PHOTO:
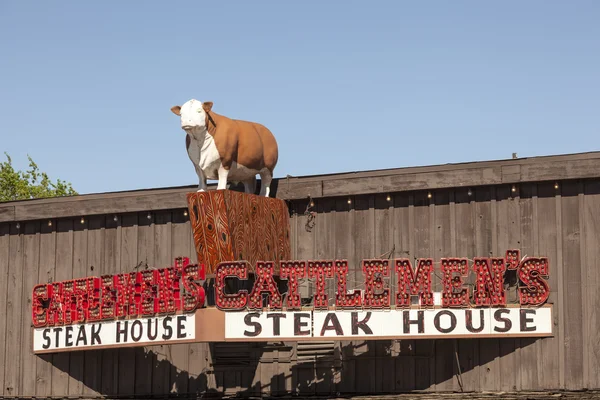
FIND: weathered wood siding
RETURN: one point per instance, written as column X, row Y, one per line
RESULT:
column 562, row 223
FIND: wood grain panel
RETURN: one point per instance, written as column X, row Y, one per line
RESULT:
column 528, row 351
column 403, row 232
column 488, row 348
column 4, row 274
column 111, row 265
column 77, row 362
column 145, row 258
column 572, row 270
column 14, row 343
column 343, row 239
column 92, row 375
column 63, row 272
column 180, row 244
column 444, row 366
column 46, row 272
column 464, row 217
column 31, row 254
column 163, row 257
column 548, row 357
column 591, row 235
column 420, row 229
column 128, row 263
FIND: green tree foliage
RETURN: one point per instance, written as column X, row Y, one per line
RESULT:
column 30, row 184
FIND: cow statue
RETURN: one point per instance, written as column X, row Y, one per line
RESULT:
column 227, row 149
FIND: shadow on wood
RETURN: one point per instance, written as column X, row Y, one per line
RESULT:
column 238, row 369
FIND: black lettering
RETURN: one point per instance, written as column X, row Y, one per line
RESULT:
column 45, row 335
column 276, row 322
column 57, row 331
column 68, row 336
column 438, row 326
column 332, row 323
column 507, row 322
column 419, row 321
column 356, row 324
column 525, row 320
column 152, row 336
column 469, row 318
column 181, row 320
column 167, row 328
column 81, row 336
column 256, row 325
column 138, row 323
column 96, row 334
column 122, row 331
column 298, row 324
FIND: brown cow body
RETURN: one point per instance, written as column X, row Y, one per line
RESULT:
column 227, row 149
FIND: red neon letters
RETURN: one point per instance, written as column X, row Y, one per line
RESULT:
column 130, row 294
column 179, row 288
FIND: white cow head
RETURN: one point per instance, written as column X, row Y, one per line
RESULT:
column 193, row 115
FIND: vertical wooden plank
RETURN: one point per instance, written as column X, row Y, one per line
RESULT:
column 591, row 231
column 144, row 359
column 304, row 373
column 507, row 237
column 404, row 241
column 162, row 257
column 585, row 345
column 180, row 243
column 424, row 349
column 468, row 349
column 92, row 375
column 444, row 360
column 111, row 266
column 31, row 249
column 364, row 242
column 324, row 243
column 573, row 322
column 528, row 353
column 384, row 241
column 13, row 312
column 325, row 249
column 561, row 288
column 4, row 273
column 63, row 272
column 128, row 263
column 342, row 237
column 488, row 348
column 548, row 376
column 77, row 365
column 46, row 270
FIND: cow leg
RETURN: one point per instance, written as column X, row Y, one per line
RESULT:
column 250, row 185
column 223, row 173
column 201, row 179
column 265, row 182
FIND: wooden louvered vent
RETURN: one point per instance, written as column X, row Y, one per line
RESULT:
column 232, row 354
column 317, row 351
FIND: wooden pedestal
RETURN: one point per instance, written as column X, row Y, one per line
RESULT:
column 235, row 226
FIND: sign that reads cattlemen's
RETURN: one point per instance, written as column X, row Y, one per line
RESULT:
column 374, row 313
column 396, row 300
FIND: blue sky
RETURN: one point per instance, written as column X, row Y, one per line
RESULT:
column 86, row 87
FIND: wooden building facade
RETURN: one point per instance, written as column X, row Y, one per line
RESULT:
column 545, row 206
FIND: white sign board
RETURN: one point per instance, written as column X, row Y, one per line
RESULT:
column 430, row 323
column 120, row 333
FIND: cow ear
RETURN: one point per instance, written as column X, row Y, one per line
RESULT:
column 207, row 105
column 176, row 110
